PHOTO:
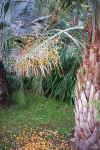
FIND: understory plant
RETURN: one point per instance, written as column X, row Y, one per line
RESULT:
column 60, row 84
column 47, row 63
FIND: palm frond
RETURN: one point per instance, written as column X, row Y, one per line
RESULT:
column 39, row 55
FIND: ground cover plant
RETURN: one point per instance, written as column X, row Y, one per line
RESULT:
column 40, row 124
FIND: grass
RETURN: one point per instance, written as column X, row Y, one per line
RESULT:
column 39, row 114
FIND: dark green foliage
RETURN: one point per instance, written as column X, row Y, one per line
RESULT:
column 61, row 84
column 12, row 78
column 34, row 84
column 13, row 82
column 28, row 83
column 3, row 85
column 62, row 24
column 19, row 99
column 6, row 6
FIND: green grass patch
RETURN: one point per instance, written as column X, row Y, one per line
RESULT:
column 40, row 112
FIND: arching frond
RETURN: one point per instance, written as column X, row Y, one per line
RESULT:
column 40, row 54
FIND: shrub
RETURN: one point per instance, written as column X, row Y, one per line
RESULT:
column 60, row 85
column 19, row 98
column 34, row 84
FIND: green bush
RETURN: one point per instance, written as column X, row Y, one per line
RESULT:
column 13, row 82
column 61, row 85
column 34, row 84
column 19, row 98
column 23, row 100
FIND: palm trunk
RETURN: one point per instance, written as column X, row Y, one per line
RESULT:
column 87, row 91
column 87, row 129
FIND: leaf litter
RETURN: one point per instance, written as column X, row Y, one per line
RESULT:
column 35, row 139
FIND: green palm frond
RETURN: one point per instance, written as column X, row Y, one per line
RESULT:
column 40, row 55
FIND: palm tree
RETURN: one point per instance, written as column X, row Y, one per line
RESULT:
column 87, row 125
column 8, row 23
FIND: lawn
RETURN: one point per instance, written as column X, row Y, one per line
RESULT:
column 40, row 123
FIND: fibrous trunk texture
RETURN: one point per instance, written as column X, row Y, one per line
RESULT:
column 87, row 130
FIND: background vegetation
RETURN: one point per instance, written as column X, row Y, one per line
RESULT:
column 41, row 72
